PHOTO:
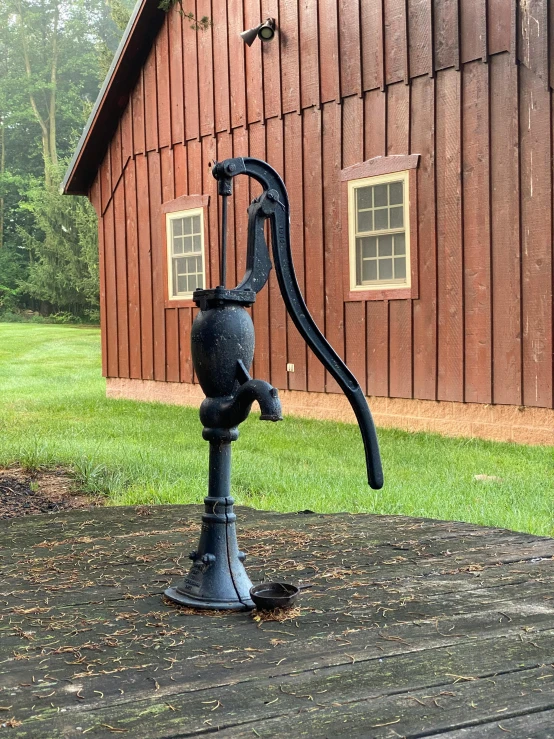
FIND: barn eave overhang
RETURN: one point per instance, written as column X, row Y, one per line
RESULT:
column 142, row 29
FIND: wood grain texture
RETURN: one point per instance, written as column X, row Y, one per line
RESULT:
column 290, row 58
column 500, row 18
column 190, row 78
column 449, row 239
column 137, row 104
column 253, row 65
column 502, row 628
column 473, row 29
column 145, row 269
column 332, row 156
column 350, row 47
column 185, row 357
column 446, row 34
column 222, row 97
column 425, row 308
column 115, row 158
column 205, row 71
column 532, row 37
column 296, row 346
column 112, row 344
column 477, row 233
column 96, row 200
column 150, row 103
column 420, row 34
column 505, row 224
column 175, row 72
column 536, row 238
column 309, row 53
column 373, row 44
column 400, row 311
column 377, row 311
column 133, row 272
column 271, row 62
column 127, row 135
column 277, row 314
column 237, row 82
column 329, row 50
column 396, row 51
column 354, row 312
column 313, row 235
column 163, row 87
column 481, row 328
column 158, row 256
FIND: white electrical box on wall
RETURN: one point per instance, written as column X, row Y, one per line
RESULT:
column 290, row 367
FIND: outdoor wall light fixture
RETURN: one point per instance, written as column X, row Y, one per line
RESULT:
column 265, row 31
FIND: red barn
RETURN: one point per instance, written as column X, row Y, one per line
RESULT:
column 415, row 139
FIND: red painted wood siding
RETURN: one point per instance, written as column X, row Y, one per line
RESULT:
column 410, row 77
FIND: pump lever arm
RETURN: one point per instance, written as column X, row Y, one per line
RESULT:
column 276, row 192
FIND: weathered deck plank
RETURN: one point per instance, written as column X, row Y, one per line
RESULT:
column 413, row 627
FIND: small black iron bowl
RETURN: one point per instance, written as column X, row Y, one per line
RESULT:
column 270, row 595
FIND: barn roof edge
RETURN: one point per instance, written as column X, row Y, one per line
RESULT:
column 138, row 38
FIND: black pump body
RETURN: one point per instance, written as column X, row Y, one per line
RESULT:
column 222, row 347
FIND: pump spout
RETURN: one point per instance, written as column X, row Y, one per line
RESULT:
column 230, row 411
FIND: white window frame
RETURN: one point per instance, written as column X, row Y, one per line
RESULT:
column 173, row 216
column 353, row 185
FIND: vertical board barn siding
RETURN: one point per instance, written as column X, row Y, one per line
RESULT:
column 409, row 77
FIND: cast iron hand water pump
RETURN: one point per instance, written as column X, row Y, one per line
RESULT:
column 222, row 346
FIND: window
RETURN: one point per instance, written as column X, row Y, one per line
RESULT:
column 379, row 240
column 380, row 228
column 185, row 248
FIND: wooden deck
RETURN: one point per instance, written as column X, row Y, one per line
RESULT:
column 413, row 628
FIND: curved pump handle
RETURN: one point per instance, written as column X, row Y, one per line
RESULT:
column 294, row 302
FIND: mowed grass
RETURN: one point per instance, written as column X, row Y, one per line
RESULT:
column 53, row 411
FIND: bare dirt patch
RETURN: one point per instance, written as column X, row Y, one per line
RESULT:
column 26, row 493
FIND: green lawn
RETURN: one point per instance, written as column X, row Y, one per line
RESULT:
column 53, row 412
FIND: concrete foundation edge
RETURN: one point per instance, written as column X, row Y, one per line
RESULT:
column 524, row 425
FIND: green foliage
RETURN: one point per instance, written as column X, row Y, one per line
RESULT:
column 53, row 411
column 53, row 56
column 12, row 269
column 197, row 24
column 63, row 268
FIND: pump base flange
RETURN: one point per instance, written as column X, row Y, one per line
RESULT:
column 182, row 599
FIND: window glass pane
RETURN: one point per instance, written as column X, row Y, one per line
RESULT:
column 181, row 284
column 191, row 280
column 385, row 269
column 397, row 217
column 178, row 245
column 180, row 266
column 400, row 268
column 364, row 197
column 196, row 224
column 200, row 281
column 366, row 247
column 187, row 242
column 197, row 243
column 396, row 193
column 385, row 246
column 187, row 225
column 177, row 226
column 381, row 219
column 369, row 270
column 380, row 195
column 365, row 221
column 399, row 244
